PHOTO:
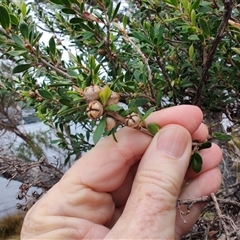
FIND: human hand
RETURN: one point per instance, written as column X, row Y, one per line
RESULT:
column 129, row 189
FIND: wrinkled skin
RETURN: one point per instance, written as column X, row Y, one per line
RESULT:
column 128, row 189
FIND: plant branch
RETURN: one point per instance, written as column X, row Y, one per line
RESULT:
column 208, row 56
column 144, row 59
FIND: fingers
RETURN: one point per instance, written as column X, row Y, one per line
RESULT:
column 203, row 184
column 187, row 116
column 112, row 160
column 156, row 187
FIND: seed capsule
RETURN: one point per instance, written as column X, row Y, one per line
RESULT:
column 92, row 92
column 132, row 120
column 94, row 109
column 32, row 94
column 113, row 99
column 110, row 123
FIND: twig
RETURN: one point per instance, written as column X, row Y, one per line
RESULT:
column 220, row 215
column 208, row 57
column 144, row 58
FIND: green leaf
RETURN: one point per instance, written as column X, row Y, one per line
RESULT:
column 45, row 94
column 193, row 37
column 195, row 4
column 65, row 102
column 222, row 136
column 205, row 145
column 138, row 102
column 141, row 37
column 105, row 94
column 153, row 128
column 17, row 40
column 204, row 26
column 52, row 46
column 68, row 11
column 148, row 112
column 110, row 9
column 191, row 52
column 21, row 68
column 159, row 98
column 196, row 162
column 23, row 9
column 23, row 27
column 17, row 53
column 99, row 130
column 193, row 17
column 5, row 19
column 113, row 107
column 116, row 10
column 14, row 19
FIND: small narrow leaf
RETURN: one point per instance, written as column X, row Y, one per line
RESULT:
column 17, row 40
column 204, row 26
column 195, row 4
column 23, row 9
column 45, row 94
column 5, row 20
column 24, row 29
column 52, row 46
column 99, row 130
column 148, row 112
column 193, row 17
column 153, row 128
column 65, row 102
column 191, row 52
column 113, row 107
column 205, row 145
column 105, row 94
column 222, row 136
column 116, row 10
column 196, row 162
column 21, row 68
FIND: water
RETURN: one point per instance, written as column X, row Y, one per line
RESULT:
column 8, row 193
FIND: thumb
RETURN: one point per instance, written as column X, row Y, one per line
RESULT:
column 150, row 212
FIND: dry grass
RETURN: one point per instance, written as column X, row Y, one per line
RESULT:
column 10, row 226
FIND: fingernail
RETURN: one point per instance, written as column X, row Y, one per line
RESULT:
column 173, row 141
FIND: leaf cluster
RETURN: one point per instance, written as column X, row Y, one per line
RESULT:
column 154, row 54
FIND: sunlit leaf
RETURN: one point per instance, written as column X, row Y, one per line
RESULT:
column 98, row 133
column 153, row 128
column 105, row 94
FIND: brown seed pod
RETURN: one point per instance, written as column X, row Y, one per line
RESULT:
column 94, row 109
column 132, row 120
column 113, row 99
column 32, row 94
column 92, row 92
column 110, row 123
column 39, row 99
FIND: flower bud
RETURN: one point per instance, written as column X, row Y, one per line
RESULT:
column 94, row 109
column 132, row 120
column 110, row 123
column 92, row 92
column 113, row 99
